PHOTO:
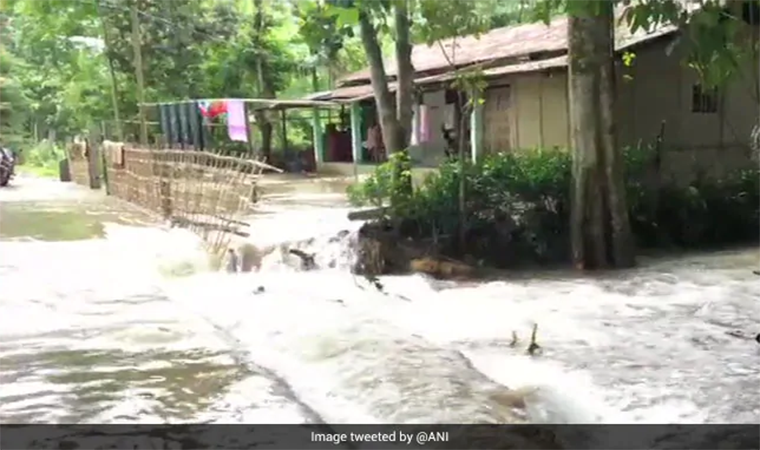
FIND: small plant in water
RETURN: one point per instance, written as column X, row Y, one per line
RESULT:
column 515, row 340
column 534, row 349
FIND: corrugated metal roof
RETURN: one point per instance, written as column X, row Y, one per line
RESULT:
column 351, row 93
column 502, row 43
column 525, row 67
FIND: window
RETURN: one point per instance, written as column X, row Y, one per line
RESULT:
column 704, row 100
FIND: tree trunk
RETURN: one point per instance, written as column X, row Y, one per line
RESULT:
column 599, row 224
column 112, row 71
column 461, row 142
column 266, row 90
column 388, row 123
column 405, row 71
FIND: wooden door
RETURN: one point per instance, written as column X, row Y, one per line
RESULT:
column 496, row 132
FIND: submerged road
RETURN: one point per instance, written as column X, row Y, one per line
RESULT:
column 107, row 316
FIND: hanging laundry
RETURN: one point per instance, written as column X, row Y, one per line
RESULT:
column 166, row 125
column 176, row 125
column 237, row 125
column 203, row 107
column 195, row 124
column 183, row 125
column 212, row 109
column 171, row 119
column 424, row 124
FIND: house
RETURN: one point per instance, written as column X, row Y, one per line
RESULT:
column 526, row 99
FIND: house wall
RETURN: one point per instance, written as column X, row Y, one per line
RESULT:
column 537, row 112
column 431, row 151
column 656, row 94
column 361, row 171
column 656, row 89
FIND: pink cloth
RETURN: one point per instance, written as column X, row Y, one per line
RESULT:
column 237, row 127
column 424, row 124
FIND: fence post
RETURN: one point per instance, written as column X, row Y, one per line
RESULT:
column 93, row 161
column 103, row 159
column 162, row 168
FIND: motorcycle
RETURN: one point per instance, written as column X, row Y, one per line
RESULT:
column 7, row 165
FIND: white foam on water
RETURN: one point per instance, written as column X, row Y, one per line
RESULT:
column 647, row 345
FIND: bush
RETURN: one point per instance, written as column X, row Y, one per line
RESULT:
column 517, row 206
column 42, row 159
column 375, row 190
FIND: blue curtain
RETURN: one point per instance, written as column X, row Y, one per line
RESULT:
column 174, row 126
column 184, row 129
column 165, row 113
column 195, row 125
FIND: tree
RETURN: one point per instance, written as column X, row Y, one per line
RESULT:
column 405, row 94
column 600, row 229
column 325, row 38
column 263, row 77
column 389, row 123
column 449, row 20
column 12, row 101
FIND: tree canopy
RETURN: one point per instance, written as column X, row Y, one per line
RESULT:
column 57, row 58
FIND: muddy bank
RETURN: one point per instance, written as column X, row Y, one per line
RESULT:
column 383, row 249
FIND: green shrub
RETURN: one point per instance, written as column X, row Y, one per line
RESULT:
column 379, row 187
column 517, row 206
column 42, row 159
column 43, row 154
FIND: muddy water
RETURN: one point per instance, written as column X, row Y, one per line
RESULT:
column 100, row 328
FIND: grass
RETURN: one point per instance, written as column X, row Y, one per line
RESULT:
column 43, row 171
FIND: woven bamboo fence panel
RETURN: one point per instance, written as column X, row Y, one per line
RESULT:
column 205, row 192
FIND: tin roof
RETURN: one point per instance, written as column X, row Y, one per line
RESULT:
column 502, row 43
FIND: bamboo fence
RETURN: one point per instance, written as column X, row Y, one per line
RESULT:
column 205, row 192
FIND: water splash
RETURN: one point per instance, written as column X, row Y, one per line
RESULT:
column 647, row 345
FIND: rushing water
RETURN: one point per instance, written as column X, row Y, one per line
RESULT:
column 96, row 325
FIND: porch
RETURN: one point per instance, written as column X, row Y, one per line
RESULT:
column 435, row 128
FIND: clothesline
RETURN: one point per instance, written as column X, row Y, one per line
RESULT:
column 263, row 101
column 183, row 122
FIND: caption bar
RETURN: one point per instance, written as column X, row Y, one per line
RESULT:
column 381, row 437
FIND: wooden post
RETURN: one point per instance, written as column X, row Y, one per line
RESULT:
column 319, row 145
column 356, row 136
column 93, row 160
column 415, row 135
column 476, row 132
column 103, row 159
column 137, row 50
column 284, row 127
column 249, row 130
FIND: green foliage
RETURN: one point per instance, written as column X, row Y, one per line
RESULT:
column 191, row 49
column 518, row 206
column 375, row 190
column 42, row 159
column 387, row 185
column 55, row 73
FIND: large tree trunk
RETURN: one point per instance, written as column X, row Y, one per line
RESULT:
column 392, row 133
column 405, row 71
column 600, row 229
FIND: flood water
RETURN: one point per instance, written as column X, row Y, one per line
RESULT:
column 98, row 324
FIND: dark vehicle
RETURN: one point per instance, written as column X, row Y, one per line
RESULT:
column 7, row 165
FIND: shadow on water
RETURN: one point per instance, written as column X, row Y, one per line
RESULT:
column 41, row 222
column 166, row 384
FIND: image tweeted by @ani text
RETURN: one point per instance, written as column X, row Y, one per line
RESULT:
column 394, row 436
